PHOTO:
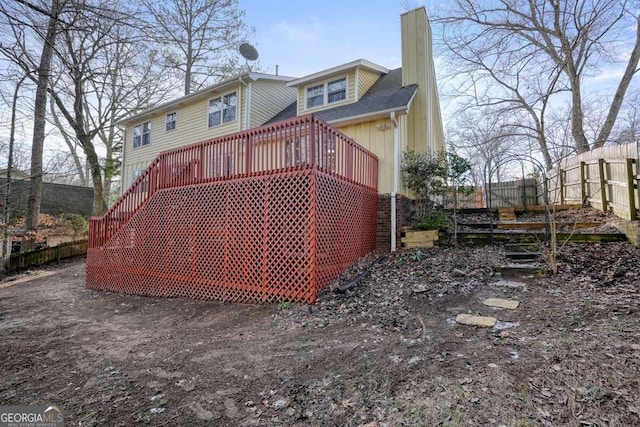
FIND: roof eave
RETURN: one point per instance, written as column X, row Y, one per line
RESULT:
column 344, row 121
column 360, row 63
column 171, row 105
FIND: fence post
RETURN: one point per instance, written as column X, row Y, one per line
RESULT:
column 631, row 190
column 603, row 183
column 561, row 178
column 583, row 183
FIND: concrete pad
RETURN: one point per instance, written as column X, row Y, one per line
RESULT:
column 502, row 303
column 473, row 320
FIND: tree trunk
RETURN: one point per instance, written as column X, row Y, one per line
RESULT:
column 39, row 121
column 99, row 198
column 577, row 118
column 70, row 144
column 629, row 72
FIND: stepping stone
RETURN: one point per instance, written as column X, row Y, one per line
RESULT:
column 509, row 284
column 473, row 320
column 502, row 303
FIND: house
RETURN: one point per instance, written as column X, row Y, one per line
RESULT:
column 265, row 187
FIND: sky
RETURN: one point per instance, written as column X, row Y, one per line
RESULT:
column 303, row 37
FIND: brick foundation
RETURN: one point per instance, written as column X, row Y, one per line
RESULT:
column 405, row 210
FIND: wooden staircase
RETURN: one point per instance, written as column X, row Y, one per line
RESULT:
column 523, row 240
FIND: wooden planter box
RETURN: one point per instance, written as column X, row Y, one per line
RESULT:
column 418, row 238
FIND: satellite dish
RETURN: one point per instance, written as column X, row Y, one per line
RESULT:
column 248, row 52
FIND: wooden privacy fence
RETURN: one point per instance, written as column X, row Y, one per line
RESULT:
column 269, row 214
column 606, row 178
column 513, row 193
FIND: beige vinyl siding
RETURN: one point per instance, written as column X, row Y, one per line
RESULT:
column 268, row 98
column 351, row 93
column 379, row 142
column 366, row 79
column 425, row 123
column 191, row 127
column 127, row 178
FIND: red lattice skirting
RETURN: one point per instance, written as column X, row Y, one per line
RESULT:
column 276, row 237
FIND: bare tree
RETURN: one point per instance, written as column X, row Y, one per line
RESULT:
column 103, row 72
column 104, row 76
column 197, row 37
column 42, row 73
column 70, row 142
column 535, row 49
column 487, row 137
column 629, row 126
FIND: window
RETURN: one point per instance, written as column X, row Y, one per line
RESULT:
column 337, row 90
column 315, row 96
column 222, row 110
column 142, row 134
column 170, row 121
column 327, row 93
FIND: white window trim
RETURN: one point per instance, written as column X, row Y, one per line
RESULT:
column 221, row 97
column 176, row 122
column 325, row 101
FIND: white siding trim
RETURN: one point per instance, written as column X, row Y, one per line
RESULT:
column 247, row 107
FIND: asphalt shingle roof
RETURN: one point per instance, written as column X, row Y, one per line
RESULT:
column 386, row 93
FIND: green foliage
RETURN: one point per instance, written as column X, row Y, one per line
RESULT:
column 459, row 177
column 459, row 169
column 414, row 256
column 432, row 177
column 425, row 174
column 78, row 223
column 285, row 305
column 434, row 220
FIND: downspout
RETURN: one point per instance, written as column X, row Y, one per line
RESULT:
column 396, row 167
column 247, row 107
column 239, row 100
column 122, row 161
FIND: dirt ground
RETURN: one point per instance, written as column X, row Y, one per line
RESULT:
column 386, row 353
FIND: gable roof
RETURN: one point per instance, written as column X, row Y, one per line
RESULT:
column 359, row 63
column 387, row 94
column 203, row 93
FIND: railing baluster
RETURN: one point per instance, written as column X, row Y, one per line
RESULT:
column 300, row 142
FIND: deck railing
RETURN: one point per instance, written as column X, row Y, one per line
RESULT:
column 299, row 143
